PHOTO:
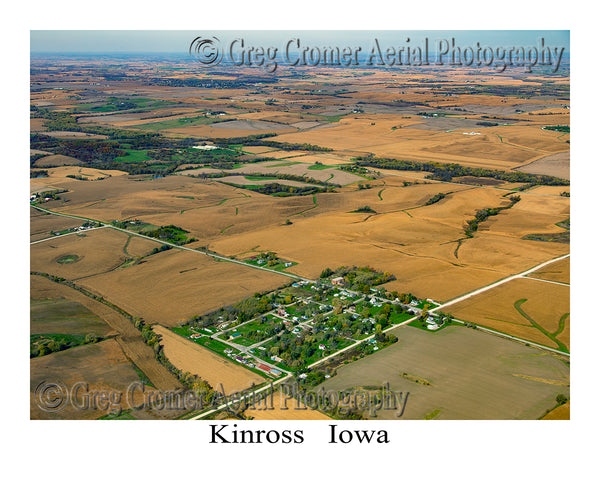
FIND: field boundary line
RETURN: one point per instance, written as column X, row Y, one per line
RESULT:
column 549, row 281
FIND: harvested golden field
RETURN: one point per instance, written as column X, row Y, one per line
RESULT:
column 217, row 371
column 208, row 209
column 326, row 174
column 527, row 308
column 294, row 410
column 76, row 135
column 80, row 255
column 532, row 137
column 130, row 196
column 558, row 271
column 37, row 125
column 56, row 161
column 257, row 150
column 242, row 180
column 554, row 205
column 325, row 158
column 172, row 286
column 417, row 243
column 505, row 254
column 374, row 134
column 51, row 96
column 135, row 119
column 557, row 165
column 550, row 190
column 517, row 222
column 61, row 173
column 281, row 154
column 216, row 131
column 472, row 376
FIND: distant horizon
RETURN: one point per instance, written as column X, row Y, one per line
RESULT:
column 98, row 42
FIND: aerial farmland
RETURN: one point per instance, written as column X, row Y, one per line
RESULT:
column 227, row 232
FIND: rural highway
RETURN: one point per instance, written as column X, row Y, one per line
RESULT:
column 65, row 234
column 498, row 283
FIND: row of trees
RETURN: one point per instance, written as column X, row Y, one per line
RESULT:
column 280, row 190
column 448, row 171
column 482, row 215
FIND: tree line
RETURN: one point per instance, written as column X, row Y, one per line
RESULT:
column 448, row 171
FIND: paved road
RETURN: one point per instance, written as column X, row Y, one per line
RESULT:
column 65, row 234
column 498, row 283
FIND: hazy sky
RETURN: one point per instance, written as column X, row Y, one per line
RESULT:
column 159, row 41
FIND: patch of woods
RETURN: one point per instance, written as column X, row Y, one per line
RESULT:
column 168, row 233
column 44, row 344
column 436, row 198
column 38, row 173
column 365, row 209
column 279, row 190
column 448, row 171
column 258, row 141
column 482, row 215
column 270, row 176
column 559, row 128
column 361, row 279
column 171, row 234
column 561, row 237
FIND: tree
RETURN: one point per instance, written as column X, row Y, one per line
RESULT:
column 326, row 273
column 561, row 399
column 91, row 338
